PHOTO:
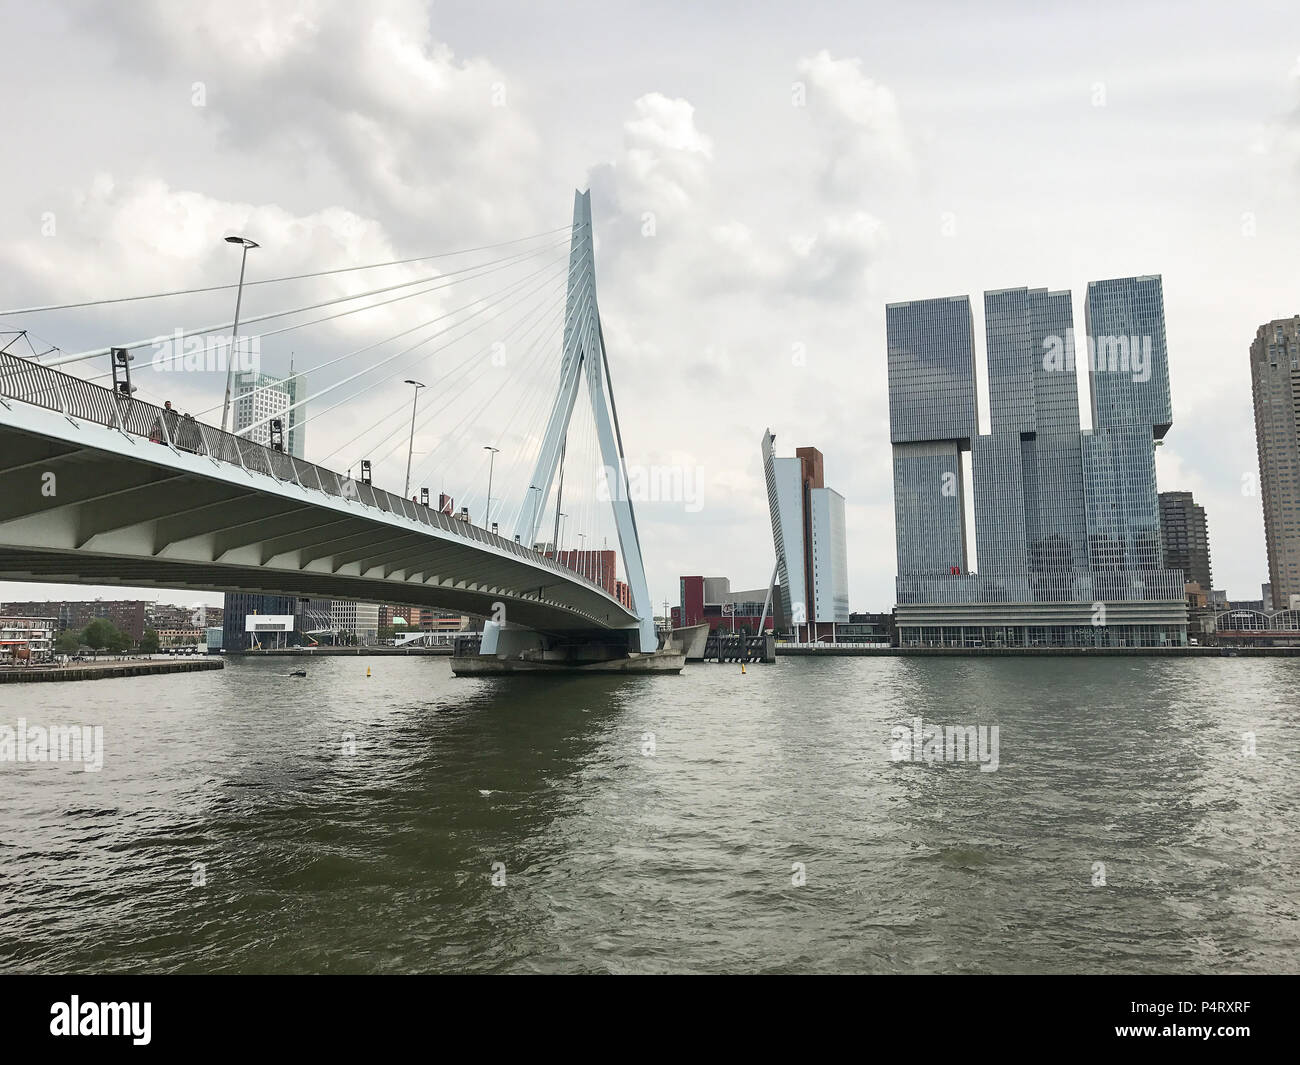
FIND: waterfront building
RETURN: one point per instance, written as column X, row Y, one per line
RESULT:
column 313, row 617
column 356, row 619
column 710, row 600
column 239, row 606
column 808, row 534
column 1066, row 523
column 1275, row 388
column 182, row 637
column 1185, row 538
column 131, row 616
column 33, row 635
column 1246, row 626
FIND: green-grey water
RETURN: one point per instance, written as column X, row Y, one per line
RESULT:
column 709, row 822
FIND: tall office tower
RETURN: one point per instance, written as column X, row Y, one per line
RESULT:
column 932, row 420
column 1047, row 561
column 1030, row 529
column 809, row 537
column 1275, row 385
column 1186, row 538
column 1131, row 409
column 260, row 396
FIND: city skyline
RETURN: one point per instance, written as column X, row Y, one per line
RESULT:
column 650, row 488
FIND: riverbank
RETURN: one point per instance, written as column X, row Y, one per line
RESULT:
column 326, row 652
column 106, row 670
column 868, row 650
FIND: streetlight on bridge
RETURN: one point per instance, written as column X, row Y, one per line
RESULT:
column 492, row 458
column 234, row 336
column 411, row 447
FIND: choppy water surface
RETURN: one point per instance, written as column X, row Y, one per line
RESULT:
column 317, row 859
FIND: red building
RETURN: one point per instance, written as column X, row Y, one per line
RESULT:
column 599, row 567
column 710, row 600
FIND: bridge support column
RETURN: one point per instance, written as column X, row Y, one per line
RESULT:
column 507, row 648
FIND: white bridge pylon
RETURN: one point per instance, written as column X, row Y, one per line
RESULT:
column 584, row 353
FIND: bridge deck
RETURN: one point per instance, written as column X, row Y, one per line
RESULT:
column 99, row 489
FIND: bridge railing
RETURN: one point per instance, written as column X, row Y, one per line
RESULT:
column 28, row 381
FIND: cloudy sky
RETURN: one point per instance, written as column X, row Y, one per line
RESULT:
column 765, row 178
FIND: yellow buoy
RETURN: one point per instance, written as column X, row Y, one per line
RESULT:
column 367, row 671
column 742, row 667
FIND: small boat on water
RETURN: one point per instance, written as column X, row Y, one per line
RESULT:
column 298, row 673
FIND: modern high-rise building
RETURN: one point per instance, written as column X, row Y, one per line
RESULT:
column 811, row 547
column 1275, row 386
column 1186, row 538
column 260, row 396
column 1067, row 523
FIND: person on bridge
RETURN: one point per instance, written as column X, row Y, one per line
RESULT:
column 187, row 438
column 156, row 434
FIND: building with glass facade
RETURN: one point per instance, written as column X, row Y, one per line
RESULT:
column 1185, row 536
column 260, row 396
column 808, row 532
column 1067, row 523
column 238, row 607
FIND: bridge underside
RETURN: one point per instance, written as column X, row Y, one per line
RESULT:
column 84, row 504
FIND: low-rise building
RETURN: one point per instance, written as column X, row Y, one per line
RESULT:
column 26, row 639
column 710, row 600
column 182, row 637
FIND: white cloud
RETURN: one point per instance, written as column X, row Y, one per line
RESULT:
column 865, row 137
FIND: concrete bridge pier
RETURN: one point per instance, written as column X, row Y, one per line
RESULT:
column 507, row 648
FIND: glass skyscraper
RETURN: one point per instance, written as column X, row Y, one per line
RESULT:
column 932, row 419
column 1067, row 525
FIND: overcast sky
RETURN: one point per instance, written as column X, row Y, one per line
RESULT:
column 804, row 165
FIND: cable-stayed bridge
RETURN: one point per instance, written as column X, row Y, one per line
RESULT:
column 101, row 485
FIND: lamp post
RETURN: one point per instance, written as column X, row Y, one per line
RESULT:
column 411, row 447
column 234, row 336
column 492, row 458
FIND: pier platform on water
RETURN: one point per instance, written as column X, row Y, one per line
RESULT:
column 491, row 666
column 562, row 660
column 738, row 647
column 106, row 670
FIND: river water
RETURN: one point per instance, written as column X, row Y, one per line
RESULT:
column 248, row 821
